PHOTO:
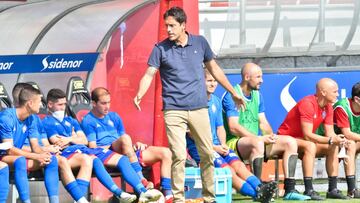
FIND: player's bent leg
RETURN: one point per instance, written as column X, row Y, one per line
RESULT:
column 332, row 168
column 68, row 180
column 84, row 164
column 107, row 181
column 4, row 186
column 252, row 149
column 123, row 145
column 353, row 192
column 154, row 154
column 20, row 175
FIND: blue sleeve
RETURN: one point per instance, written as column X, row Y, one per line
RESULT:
column 49, row 128
column 89, row 129
column 6, row 127
column 32, row 126
column 229, row 106
column 208, row 53
column 41, row 130
column 261, row 104
column 76, row 125
column 119, row 125
column 155, row 57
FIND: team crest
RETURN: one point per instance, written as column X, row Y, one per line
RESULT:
column 213, row 108
column 24, row 128
column 67, row 124
column 323, row 114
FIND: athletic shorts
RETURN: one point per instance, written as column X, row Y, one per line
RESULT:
column 101, row 153
column 139, row 157
column 222, row 161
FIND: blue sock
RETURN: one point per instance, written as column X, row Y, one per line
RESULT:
column 21, row 179
column 253, row 181
column 138, row 169
column 247, row 190
column 4, row 186
column 74, row 190
column 129, row 174
column 83, row 185
column 166, row 186
column 51, row 176
column 104, row 177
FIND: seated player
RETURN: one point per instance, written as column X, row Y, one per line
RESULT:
column 65, row 132
column 105, row 129
column 302, row 121
column 243, row 131
column 15, row 125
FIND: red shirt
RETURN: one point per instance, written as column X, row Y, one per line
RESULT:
column 341, row 118
column 306, row 110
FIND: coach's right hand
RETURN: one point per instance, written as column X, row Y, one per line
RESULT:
column 137, row 101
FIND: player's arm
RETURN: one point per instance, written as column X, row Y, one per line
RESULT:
column 222, row 149
column 264, row 125
column 237, row 129
column 43, row 158
column 350, row 135
column 144, row 85
column 35, row 147
column 92, row 144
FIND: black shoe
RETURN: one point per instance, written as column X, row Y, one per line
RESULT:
column 336, row 194
column 314, row 195
column 355, row 193
column 265, row 192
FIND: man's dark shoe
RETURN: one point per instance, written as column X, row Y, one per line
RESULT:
column 355, row 193
column 314, row 195
column 265, row 192
column 336, row 194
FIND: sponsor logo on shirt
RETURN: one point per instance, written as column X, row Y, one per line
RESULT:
column 98, row 125
column 111, row 123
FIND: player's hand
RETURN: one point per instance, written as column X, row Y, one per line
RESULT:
column 338, row 139
column 239, row 102
column 139, row 146
column 63, row 141
column 137, row 101
column 44, row 158
column 53, row 149
column 221, row 150
column 269, row 139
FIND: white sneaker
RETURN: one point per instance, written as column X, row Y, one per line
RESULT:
column 150, row 196
column 126, row 197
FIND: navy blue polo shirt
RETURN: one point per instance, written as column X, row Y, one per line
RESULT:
column 182, row 73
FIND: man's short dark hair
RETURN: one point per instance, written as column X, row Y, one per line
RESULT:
column 54, row 95
column 355, row 91
column 177, row 13
column 16, row 91
column 26, row 94
column 98, row 92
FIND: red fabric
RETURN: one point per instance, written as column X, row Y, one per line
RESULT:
column 306, row 110
column 341, row 118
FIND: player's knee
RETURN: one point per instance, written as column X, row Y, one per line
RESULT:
column 258, row 146
column 310, row 148
column 86, row 161
column 166, row 154
column 291, row 144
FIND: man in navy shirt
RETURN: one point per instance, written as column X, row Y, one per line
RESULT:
column 15, row 125
column 180, row 59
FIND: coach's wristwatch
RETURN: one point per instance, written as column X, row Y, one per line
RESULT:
column 330, row 142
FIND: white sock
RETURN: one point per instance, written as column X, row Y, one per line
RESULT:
column 82, row 200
